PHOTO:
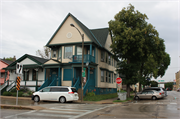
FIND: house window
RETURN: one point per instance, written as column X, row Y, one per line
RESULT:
column 68, row 52
column 106, row 58
column 106, row 76
column 2, row 75
column 111, row 61
column 102, row 56
column 109, row 58
column 54, row 53
column 26, row 76
column 115, row 77
column 109, row 77
column 60, row 53
column 102, row 76
column 79, row 50
column 34, row 75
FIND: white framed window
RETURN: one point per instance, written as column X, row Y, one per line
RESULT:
column 68, row 52
column 60, row 52
column 102, row 76
column 109, row 77
column 79, row 50
column 106, row 76
column 102, row 56
column 54, row 53
column 109, row 58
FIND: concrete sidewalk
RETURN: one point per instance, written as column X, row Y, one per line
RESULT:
column 35, row 107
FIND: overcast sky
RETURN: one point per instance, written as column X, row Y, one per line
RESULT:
column 27, row 25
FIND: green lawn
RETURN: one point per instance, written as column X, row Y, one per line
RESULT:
column 100, row 97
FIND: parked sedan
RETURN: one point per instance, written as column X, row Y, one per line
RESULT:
column 178, row 90
column 149, row 94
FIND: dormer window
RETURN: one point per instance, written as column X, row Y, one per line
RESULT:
column 54, row 53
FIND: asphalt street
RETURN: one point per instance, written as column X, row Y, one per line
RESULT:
column 169, row 108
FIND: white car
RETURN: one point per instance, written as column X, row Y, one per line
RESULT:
column 56, row 93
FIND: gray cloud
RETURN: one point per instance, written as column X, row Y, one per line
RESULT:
column 29, row 24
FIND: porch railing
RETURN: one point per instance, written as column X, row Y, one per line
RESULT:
column 45, row 84
column 77, row 84
column 4, row 85
column 87, row 58
column 13, row 83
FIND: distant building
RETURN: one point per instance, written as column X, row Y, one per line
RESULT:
column 4, row 76
column 177, row 79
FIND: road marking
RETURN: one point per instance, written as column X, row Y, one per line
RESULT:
column 68, row 109
column 53, row 111
column 15, row 115
column 173, row 103
column 75, row 117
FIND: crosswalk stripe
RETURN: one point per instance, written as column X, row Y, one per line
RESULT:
column 53, row 111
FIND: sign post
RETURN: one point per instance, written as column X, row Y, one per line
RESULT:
column 19, row 68
column 118, row 81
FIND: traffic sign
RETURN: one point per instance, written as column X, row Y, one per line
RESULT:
column 118, row 80
column 18, row 83
column 19, row 68
column 84, row 72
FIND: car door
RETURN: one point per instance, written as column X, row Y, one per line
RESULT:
column 54, row 93
column 44, row 94
column 149, row 94
column 142, row 95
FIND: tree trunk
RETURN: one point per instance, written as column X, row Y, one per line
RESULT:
column 140, row 87
column 128, row 90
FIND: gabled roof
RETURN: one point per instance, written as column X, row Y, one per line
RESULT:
column 8, row 62
column 88, row 32
column 101, row 35
column 38, row 60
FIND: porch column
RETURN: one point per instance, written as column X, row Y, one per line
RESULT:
column 88, row 73
column 5, row 76
column 36, row 78
column 45, row 75
column 91, row 49
column 59, row 76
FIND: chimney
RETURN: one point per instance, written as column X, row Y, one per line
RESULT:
column 14, row 58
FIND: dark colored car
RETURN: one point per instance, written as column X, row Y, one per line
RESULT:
column 178, row 90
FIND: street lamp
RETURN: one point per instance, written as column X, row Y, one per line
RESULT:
column 82, row 36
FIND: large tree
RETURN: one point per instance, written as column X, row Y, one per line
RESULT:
column 45, row 53
column 136, row 44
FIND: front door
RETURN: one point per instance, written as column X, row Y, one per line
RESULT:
column 54, row 75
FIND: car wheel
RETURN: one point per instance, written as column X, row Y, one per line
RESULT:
column 154, row 98
column 136, row 98
column 36, row 99
column 62, row 99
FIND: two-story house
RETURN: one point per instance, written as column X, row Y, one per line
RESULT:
column 64, row 67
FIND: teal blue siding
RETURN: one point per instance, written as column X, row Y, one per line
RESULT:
column 67, row 75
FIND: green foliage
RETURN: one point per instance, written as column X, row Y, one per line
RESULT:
column 154, row 84
column 100, row 97
column 138, row 46
column 121, row 91
column 9, row 58
column 7, row 93
column 91, row 94
column 25, row 95
column 170, row 85
column 20, row 94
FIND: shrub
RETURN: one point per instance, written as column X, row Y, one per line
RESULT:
column 91, row 94
column 121, row 91
column 25, row 95
column 6, row 93
column 19, row 94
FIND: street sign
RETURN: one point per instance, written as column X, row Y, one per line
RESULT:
column 18, row 83
column 118, row 80
column 19, row 68
column 84, row 72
